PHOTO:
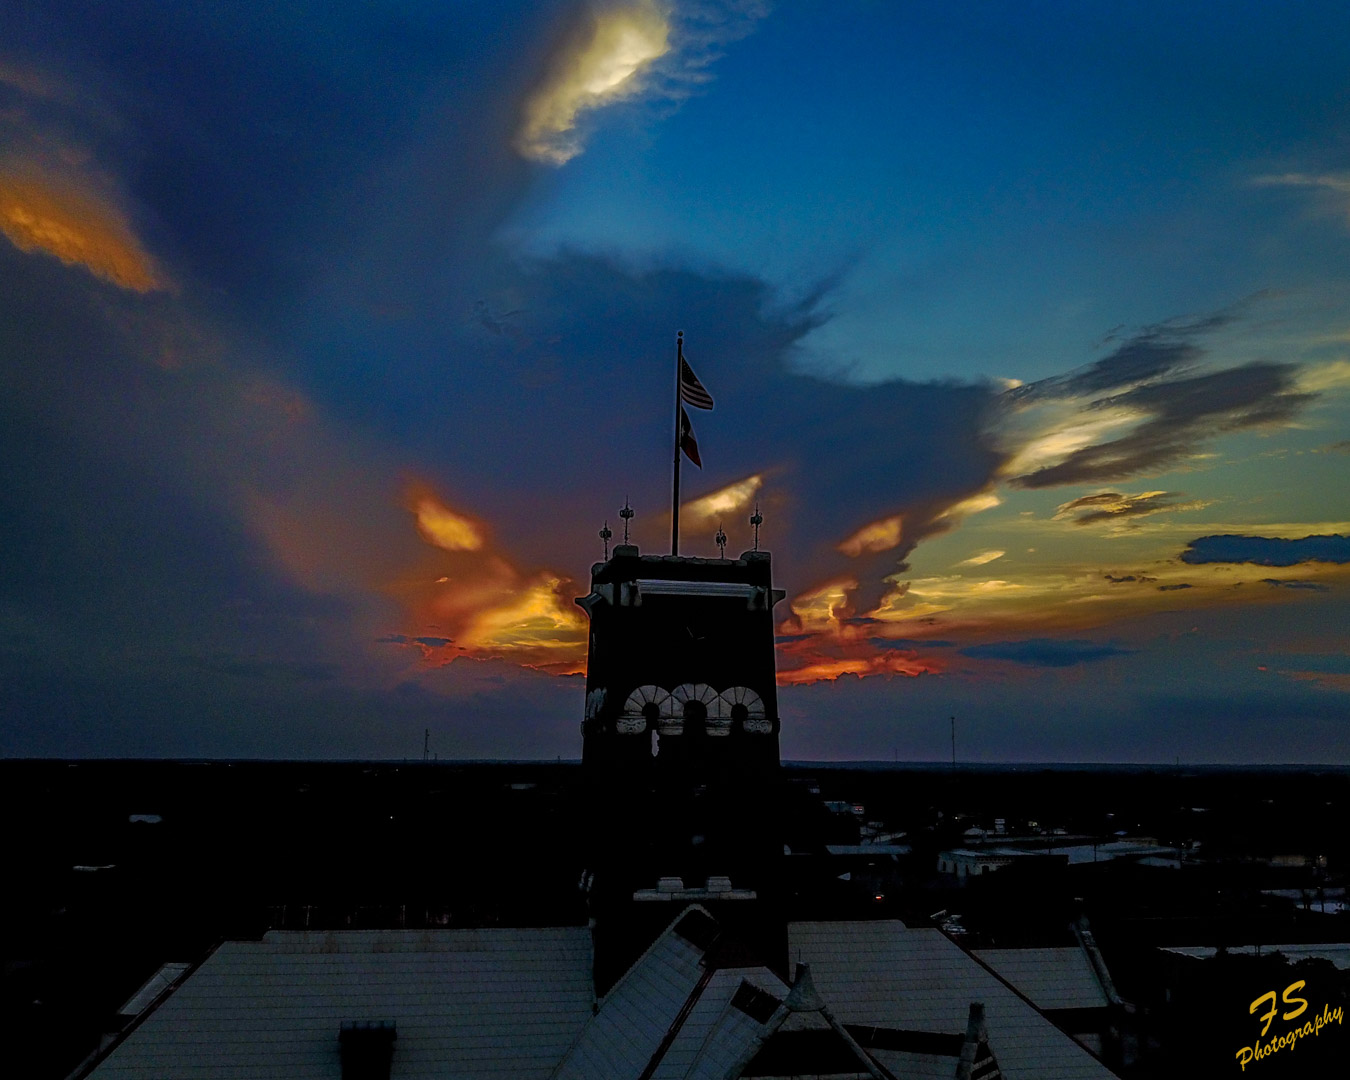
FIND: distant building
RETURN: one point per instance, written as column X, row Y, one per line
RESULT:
column 964, row 863
column 1334, row 953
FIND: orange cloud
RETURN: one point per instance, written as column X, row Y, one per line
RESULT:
column 883, row 663
column 821, row 609
column 476, row 602
column 77, row 227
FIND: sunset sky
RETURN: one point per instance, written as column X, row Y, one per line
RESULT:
column 331, row 334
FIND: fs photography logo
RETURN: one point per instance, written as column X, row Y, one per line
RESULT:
column 1288, row 1040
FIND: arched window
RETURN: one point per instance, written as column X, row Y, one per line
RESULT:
column 744, row 708
column 644, row 708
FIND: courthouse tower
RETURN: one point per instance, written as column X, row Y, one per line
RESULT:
column 680, row 736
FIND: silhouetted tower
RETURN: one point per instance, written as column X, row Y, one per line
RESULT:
column 680, row 737
column 681, row 663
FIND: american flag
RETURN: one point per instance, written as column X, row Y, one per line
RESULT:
column 691, row 390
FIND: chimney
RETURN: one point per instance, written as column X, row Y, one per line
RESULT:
column 367, row 1048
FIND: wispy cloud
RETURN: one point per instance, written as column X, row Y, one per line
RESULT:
column 1332, row 181
column 1307, row 586
column 1145, row 408
column 622, row 50
column 1336, row 185
column 1114, row 506
column 982, row 558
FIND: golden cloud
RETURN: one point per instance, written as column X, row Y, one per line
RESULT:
column 600, row 65
column 77, row 227
column 1319, row 378
column 878, row 536
column 976, row 504
column 536, row 617
column 982, row 558
column 1114, row 507
column 1063, row 431
column 441, row 526
column 713, row 508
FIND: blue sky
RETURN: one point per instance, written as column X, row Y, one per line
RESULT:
column 330, row 335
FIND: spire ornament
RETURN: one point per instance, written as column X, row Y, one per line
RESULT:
column 605, row 535
column 721, row 540
column 627, row 514
column 756, row 519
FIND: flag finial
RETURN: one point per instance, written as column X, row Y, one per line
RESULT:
column 627, row 514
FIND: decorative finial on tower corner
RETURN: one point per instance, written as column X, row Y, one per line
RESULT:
column 756, row 519
column 721, row 539
column 605, row 534
column 627, row 514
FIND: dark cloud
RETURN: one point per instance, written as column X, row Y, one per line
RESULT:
column 1158, row 374
column 433, row 642
column 1154, row 352
column 1267, row 550
column 833, row 457
column 1044, row 652
column 1114, row 506
column 1310, row 586
column 1181, row 414
column 1175, row 588
column 1117, row 580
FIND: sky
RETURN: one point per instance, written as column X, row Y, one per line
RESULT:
column 331, row 335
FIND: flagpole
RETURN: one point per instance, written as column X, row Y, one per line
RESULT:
column 675, row 486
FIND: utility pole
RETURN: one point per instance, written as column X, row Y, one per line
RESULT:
column 953, row 742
